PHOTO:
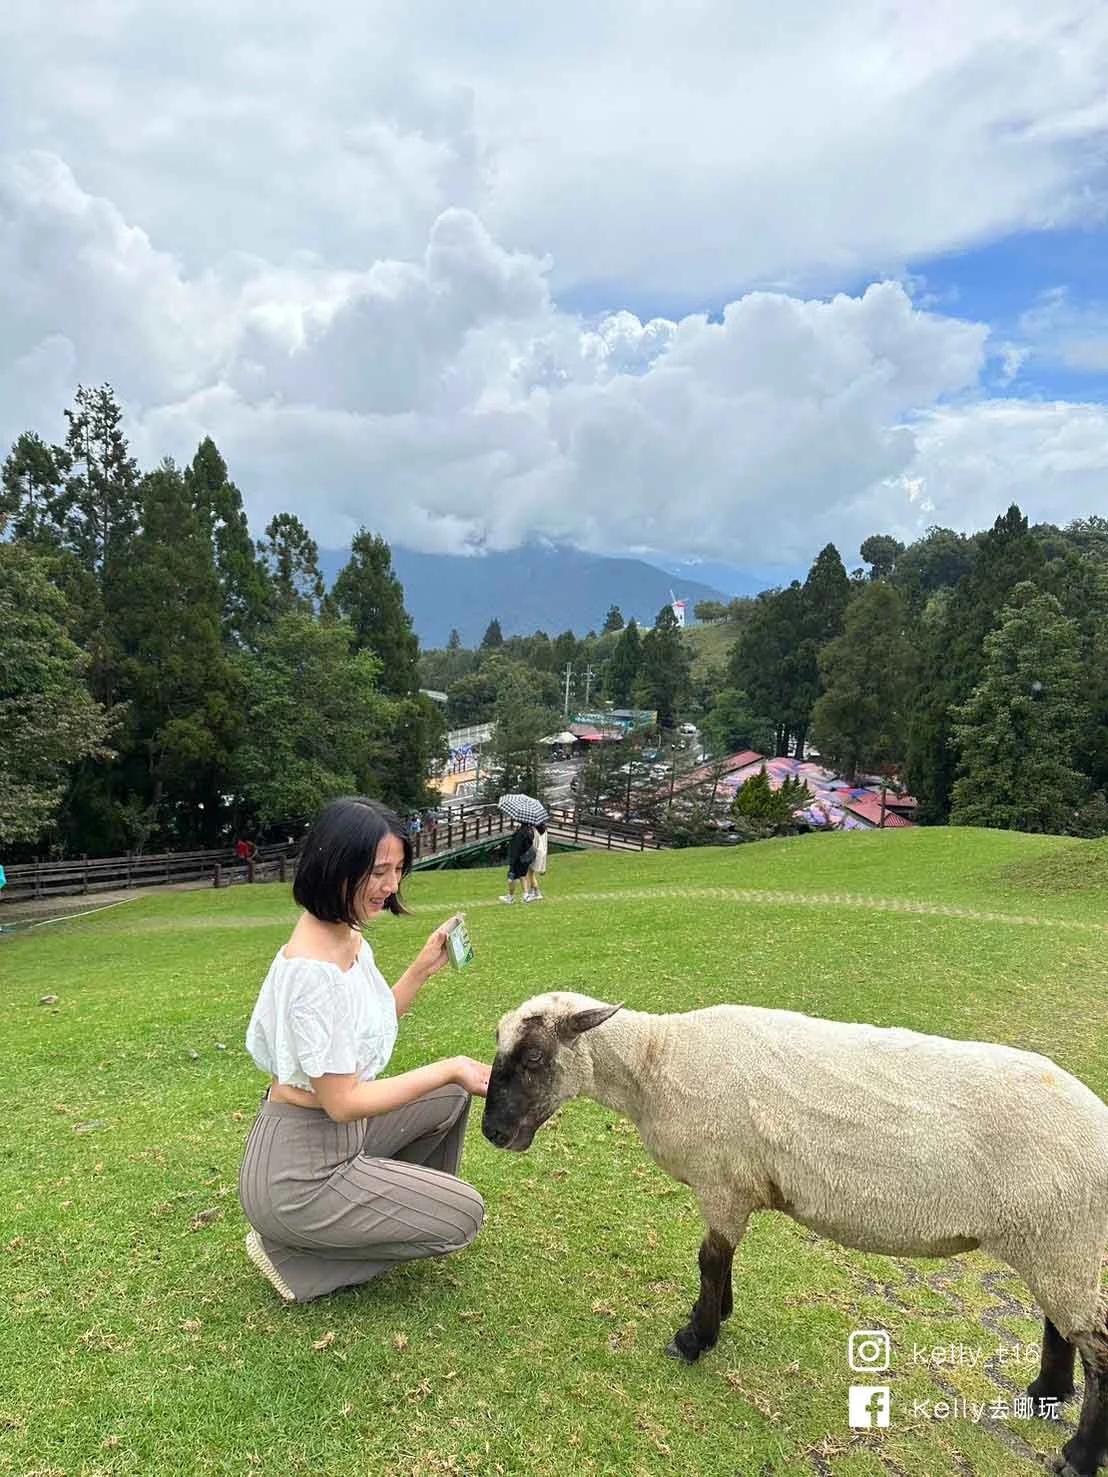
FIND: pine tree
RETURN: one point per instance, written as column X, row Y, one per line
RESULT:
column 291, row 558
column 30, row 488
column 663, row 678
column 99, row 503
column 825, row 597
column 243, row 580
column 182, row 713
column 613, row 621
column 455, row 641
column 370, row 596
column 951, row 655
column 731, row 724
column 881, row 551
column 768, row 662
column 860, row 723
column 318, row 726
column 622, row 671
column 1018, row 731
column 48, row 720
column 493, row 638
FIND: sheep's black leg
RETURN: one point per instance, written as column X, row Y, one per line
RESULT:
column 1055, row 1378
column 702, row 1329
column 1084, row 1453
column 726, row 1299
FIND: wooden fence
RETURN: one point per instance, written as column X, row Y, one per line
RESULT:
column 222, row 867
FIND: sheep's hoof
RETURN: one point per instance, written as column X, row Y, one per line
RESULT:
column 1063, row 1465
column 1040, row 1389
column 686, row 1349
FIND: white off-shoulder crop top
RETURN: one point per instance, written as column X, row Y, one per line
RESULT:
column 312, row 1017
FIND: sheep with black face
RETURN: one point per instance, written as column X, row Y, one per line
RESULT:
column 881, row 1139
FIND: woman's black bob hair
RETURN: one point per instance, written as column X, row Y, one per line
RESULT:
column 338, row 854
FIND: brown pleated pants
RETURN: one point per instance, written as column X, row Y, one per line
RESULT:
column 338, row 1203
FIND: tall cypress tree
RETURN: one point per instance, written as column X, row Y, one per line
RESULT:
column 663, row 679
column 859, row 723
column 243, row 581
column 1020, row 728
column 622, row 671
column 291, row 558
column 951, row 655
column 372, row 599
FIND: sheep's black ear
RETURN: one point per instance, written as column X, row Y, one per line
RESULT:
column 572, row 1026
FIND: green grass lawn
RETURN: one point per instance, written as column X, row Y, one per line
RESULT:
column 137, row 1339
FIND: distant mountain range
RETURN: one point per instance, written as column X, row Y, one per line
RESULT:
column 531, row 589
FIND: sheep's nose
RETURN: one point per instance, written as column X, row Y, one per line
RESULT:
column 496, row 1134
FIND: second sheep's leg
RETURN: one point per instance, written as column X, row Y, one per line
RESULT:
column 1084, row 1453
column 702, row 1329
column 1055, row 1377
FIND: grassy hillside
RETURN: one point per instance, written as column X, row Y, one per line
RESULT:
column 710, row 646
column 140, row 1341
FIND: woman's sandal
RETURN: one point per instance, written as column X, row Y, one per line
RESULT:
column 256, row 1252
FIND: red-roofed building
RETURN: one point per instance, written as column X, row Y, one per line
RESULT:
column 868, row 808
column 744, row 760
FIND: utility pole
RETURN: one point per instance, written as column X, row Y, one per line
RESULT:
column 589, row 675
column 569, row 678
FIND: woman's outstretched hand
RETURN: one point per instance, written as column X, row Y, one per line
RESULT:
column 472, row 1075
column 433, row 955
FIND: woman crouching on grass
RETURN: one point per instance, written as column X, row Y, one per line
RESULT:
column 345, row 1176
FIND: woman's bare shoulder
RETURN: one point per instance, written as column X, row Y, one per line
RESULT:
column 313, row 940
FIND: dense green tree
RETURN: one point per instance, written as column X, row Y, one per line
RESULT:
column 622, row 671
column 826, row 595
column 521, row 717
column 881, row 551
column 493, row 637
column 370, row 596
column 455, row 641
column 99, row 504
column 757, row 800
column 733, row 724
column 291, row 559
column 472, row 698
column 710, row 611
column 1018, row 732
column 30, row 488
column 565, row 651
column 182, row 713
column 243, row 579
column 938, row 561
column 951, row 655
column 767, row 663
column 317, row 726
column 412, row 735
column 613, row 621
column 859, row 724
column 663, row 679
column 48, row 720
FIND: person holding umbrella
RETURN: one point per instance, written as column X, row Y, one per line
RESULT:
column 521, row 848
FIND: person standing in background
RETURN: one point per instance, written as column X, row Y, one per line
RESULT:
column 521, row 852
column 537, row 869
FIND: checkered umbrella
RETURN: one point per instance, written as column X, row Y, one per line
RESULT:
column 523, row 808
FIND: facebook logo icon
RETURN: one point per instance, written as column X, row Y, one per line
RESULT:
column 869, row 1406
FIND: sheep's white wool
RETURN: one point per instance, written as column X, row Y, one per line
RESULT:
column 882, row 1139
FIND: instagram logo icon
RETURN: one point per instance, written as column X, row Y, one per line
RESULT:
column 868, row 1350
